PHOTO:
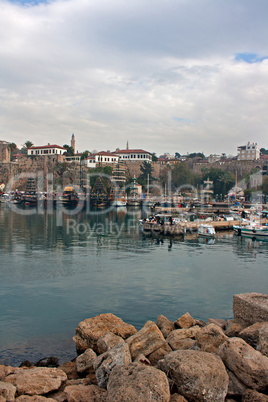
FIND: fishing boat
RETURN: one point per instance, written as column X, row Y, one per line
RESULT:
column 206, row 230
column 251, row 229
column 69, row 197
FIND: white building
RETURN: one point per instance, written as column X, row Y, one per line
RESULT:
column 249, row 152
column 76, row 158
column 100, row 158
column 46, row 150
column 134, row 155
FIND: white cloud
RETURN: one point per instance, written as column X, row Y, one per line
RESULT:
column 161, row 74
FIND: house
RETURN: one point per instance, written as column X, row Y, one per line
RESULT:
column 89, row 162
column 134, row 155
column 45, row 150
column 100, row 159
column 249, row 152
column 76, row 158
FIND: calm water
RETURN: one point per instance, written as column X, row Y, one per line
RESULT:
column 56, row 273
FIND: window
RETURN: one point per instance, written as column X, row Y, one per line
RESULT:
column 50, row 151
column 31, row 152
column 53, row 151
column 45, row 151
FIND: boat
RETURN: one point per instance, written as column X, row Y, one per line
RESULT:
column 206, row 230
column 69, row 197
column 251, row 229
column 133, row 199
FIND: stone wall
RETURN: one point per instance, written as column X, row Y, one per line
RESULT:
column 241, row 167
column 4, row 153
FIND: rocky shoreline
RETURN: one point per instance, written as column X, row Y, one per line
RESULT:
column 185, row 360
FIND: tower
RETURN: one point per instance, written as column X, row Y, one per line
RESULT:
column 127, row 145
column 73, row 142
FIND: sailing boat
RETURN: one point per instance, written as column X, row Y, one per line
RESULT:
column 118, row 196
column 133, row 200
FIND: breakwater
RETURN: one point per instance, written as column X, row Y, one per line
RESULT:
column 185, row 360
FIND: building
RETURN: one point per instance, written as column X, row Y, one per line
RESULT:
column 100, row 159
column 73, row 142
column 138, row 155
column 76, row 158
column 46, row 150
column 5, row 152
column 212, row 158
column 89, row 162
column 249, row 152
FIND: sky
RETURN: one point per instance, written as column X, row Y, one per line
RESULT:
column 164, row 75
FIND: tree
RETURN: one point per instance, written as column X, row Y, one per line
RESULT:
column 222, row 181
column 13, row 147
column 177, row 155
column 28, row 144
column 182, row 174
column 85, row 154
column 154, row 157
column 264, row 151
column 197, row 155
column 69, row 150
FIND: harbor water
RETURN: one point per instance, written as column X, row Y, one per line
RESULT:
column 59, row 269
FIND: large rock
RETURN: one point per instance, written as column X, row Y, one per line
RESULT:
column 253, row 396
column 221, row 323
column 234, row 327
column 235, row 387
column 199, row 376
column 7, row 391
column 251, row 307
column 108, row 341
column 85, row 393
column 165, row 325
column 209, row 338
column 185, row 321
column 249, row 365
column 262, row 345
column 105, row 363
column 37, row 381
column 251, row 334
column 85, row 361
column 5, row 370
column 90, row 330
column 138, row 382
column 158, row 354
column 177, row 338
column 146, row 341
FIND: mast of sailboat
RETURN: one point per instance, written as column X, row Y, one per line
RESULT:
column 148, row 179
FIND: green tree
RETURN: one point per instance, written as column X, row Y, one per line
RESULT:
column 85, row 154
column 222, row 181
column 13, row 147
column 28, row 144
column 154, row 157
column 69, row 150
column 182, row 174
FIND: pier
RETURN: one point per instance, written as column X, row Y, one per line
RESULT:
column 186, row 227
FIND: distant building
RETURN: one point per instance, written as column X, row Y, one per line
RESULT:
column 249, row 152
column 76, row 158
column 214, row 158
column 89, row 162
column 73, row 142
column 100, row 159
column 46, row 150
column 134, row 155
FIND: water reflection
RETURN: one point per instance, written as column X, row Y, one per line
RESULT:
column 54, row 276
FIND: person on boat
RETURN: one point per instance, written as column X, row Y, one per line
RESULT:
column 171, row 220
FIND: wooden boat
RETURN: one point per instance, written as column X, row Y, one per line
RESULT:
column 251, row 229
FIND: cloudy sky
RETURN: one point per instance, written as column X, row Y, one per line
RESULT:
column 165, row 75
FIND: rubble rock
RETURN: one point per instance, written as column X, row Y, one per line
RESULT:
column 108, row 341
column 7, row 391
column 262, row 345
column 234, row 327
column 85, row 393
column 199, row 376
column 185, row 321
column 105, row 363
column 219, row 322
column 138, row 382
column 90, row 330
column 175, row 337
column 158, row 354
column 177, row 398
column 253, row 396
column 37, row 380
column 209, row 338
column 236, row 387
column 85, row 361
column 5, row 370
column 165, row 325
column 34, row 398
column 251, row 334
column 69, row 369
column 146, row 341
column 251, row 307
column 249, row 365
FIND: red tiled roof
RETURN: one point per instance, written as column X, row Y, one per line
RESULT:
column 131, row 151
column 47, row 146
column 104, row 153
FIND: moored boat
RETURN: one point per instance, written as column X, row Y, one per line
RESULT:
column 206, row 230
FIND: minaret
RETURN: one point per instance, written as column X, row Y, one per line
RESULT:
column 127, row 145
column 73, row 142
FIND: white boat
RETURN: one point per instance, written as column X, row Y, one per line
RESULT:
column 206, row 231
column 252, row 229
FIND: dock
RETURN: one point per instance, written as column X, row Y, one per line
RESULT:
column 186, row 227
